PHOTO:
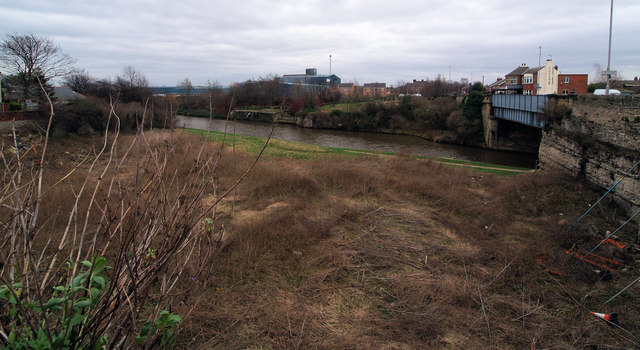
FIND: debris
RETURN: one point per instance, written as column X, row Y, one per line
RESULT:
column 613, row 242
column 542, row 260
column 611, row 319
column 596, row 260
column 297, row 252
column 605, row 275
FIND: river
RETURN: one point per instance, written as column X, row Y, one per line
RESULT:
column 363, row 141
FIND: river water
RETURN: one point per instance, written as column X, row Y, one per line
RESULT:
column 362, row 141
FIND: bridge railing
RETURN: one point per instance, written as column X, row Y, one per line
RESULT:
column 524, row 109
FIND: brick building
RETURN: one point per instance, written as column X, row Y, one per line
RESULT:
column 572, row 84
column 544, row 80
column 347, row 89
column 514, row 79
column 374, row 89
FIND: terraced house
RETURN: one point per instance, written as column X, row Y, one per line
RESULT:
column 543, row 80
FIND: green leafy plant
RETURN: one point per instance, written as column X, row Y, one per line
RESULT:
column 166, row 324
column 66, row 312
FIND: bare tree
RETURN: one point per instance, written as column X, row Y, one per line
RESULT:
column 214, row 90
column 32, row 58
column 132, row 85
column 133, row 78
column 186, row 88
column 599, row 77
column 79, row 81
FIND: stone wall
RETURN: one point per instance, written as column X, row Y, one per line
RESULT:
column 599, row 142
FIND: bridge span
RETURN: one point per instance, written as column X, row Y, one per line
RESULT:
column 524, row 110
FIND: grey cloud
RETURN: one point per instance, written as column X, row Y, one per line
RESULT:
column 369, row 40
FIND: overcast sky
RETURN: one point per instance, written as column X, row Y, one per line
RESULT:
column 369, row 41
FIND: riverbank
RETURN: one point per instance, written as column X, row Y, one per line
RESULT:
column 437, row 136
column 444, row 120
column 297, row 150
column 345, row 251
column 399, row 144
column 334, row 250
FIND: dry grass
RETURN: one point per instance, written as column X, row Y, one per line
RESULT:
column 394, row 253
column 403, row 254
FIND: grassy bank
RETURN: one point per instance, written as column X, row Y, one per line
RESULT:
column 390, row 252
column 334, row 249
column 281, row 148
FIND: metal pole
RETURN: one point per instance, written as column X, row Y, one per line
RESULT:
column 604, row 195
column 539, row 55
column 329, row 64
column 609, row 55
column 623, row 289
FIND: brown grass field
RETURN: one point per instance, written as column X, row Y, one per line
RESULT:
column 386, row 253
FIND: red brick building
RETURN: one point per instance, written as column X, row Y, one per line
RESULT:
column 572, row 84
column 513, row 80
column 543, row 80
column 374, row 89
column 347, row 89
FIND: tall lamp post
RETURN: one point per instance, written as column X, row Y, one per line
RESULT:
column 608, row 73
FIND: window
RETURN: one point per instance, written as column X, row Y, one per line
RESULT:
column 527, row 92
column 513, row 81
column 528, row 80
column 565, row 92
column 566, row 80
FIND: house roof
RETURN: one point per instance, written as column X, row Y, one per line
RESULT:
column 519, row 71
column 533, row 70
column 498, row 83
column 345, row 85
column 65, row 93
column 375, row 85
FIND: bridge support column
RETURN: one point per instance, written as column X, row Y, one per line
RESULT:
column 490, row 124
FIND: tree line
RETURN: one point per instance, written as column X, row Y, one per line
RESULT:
column 34, row 62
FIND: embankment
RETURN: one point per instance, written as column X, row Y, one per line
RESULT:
column 598, row 142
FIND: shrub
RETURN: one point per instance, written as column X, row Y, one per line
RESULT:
column 15, row 106
column 555, row 111
column 70, row 117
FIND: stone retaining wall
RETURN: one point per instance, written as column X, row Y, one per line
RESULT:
column 600, row 142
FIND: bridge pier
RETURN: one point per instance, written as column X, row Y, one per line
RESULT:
column 490, row 123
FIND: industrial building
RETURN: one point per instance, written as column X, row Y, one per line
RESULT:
column 310, row 77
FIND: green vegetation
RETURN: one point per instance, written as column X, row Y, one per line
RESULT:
column 321, row 248
column 343, row 107
column 72, row 313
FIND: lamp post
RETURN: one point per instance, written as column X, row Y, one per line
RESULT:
column 609, row 72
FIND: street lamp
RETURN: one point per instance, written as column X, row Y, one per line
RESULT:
column 609, row 72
